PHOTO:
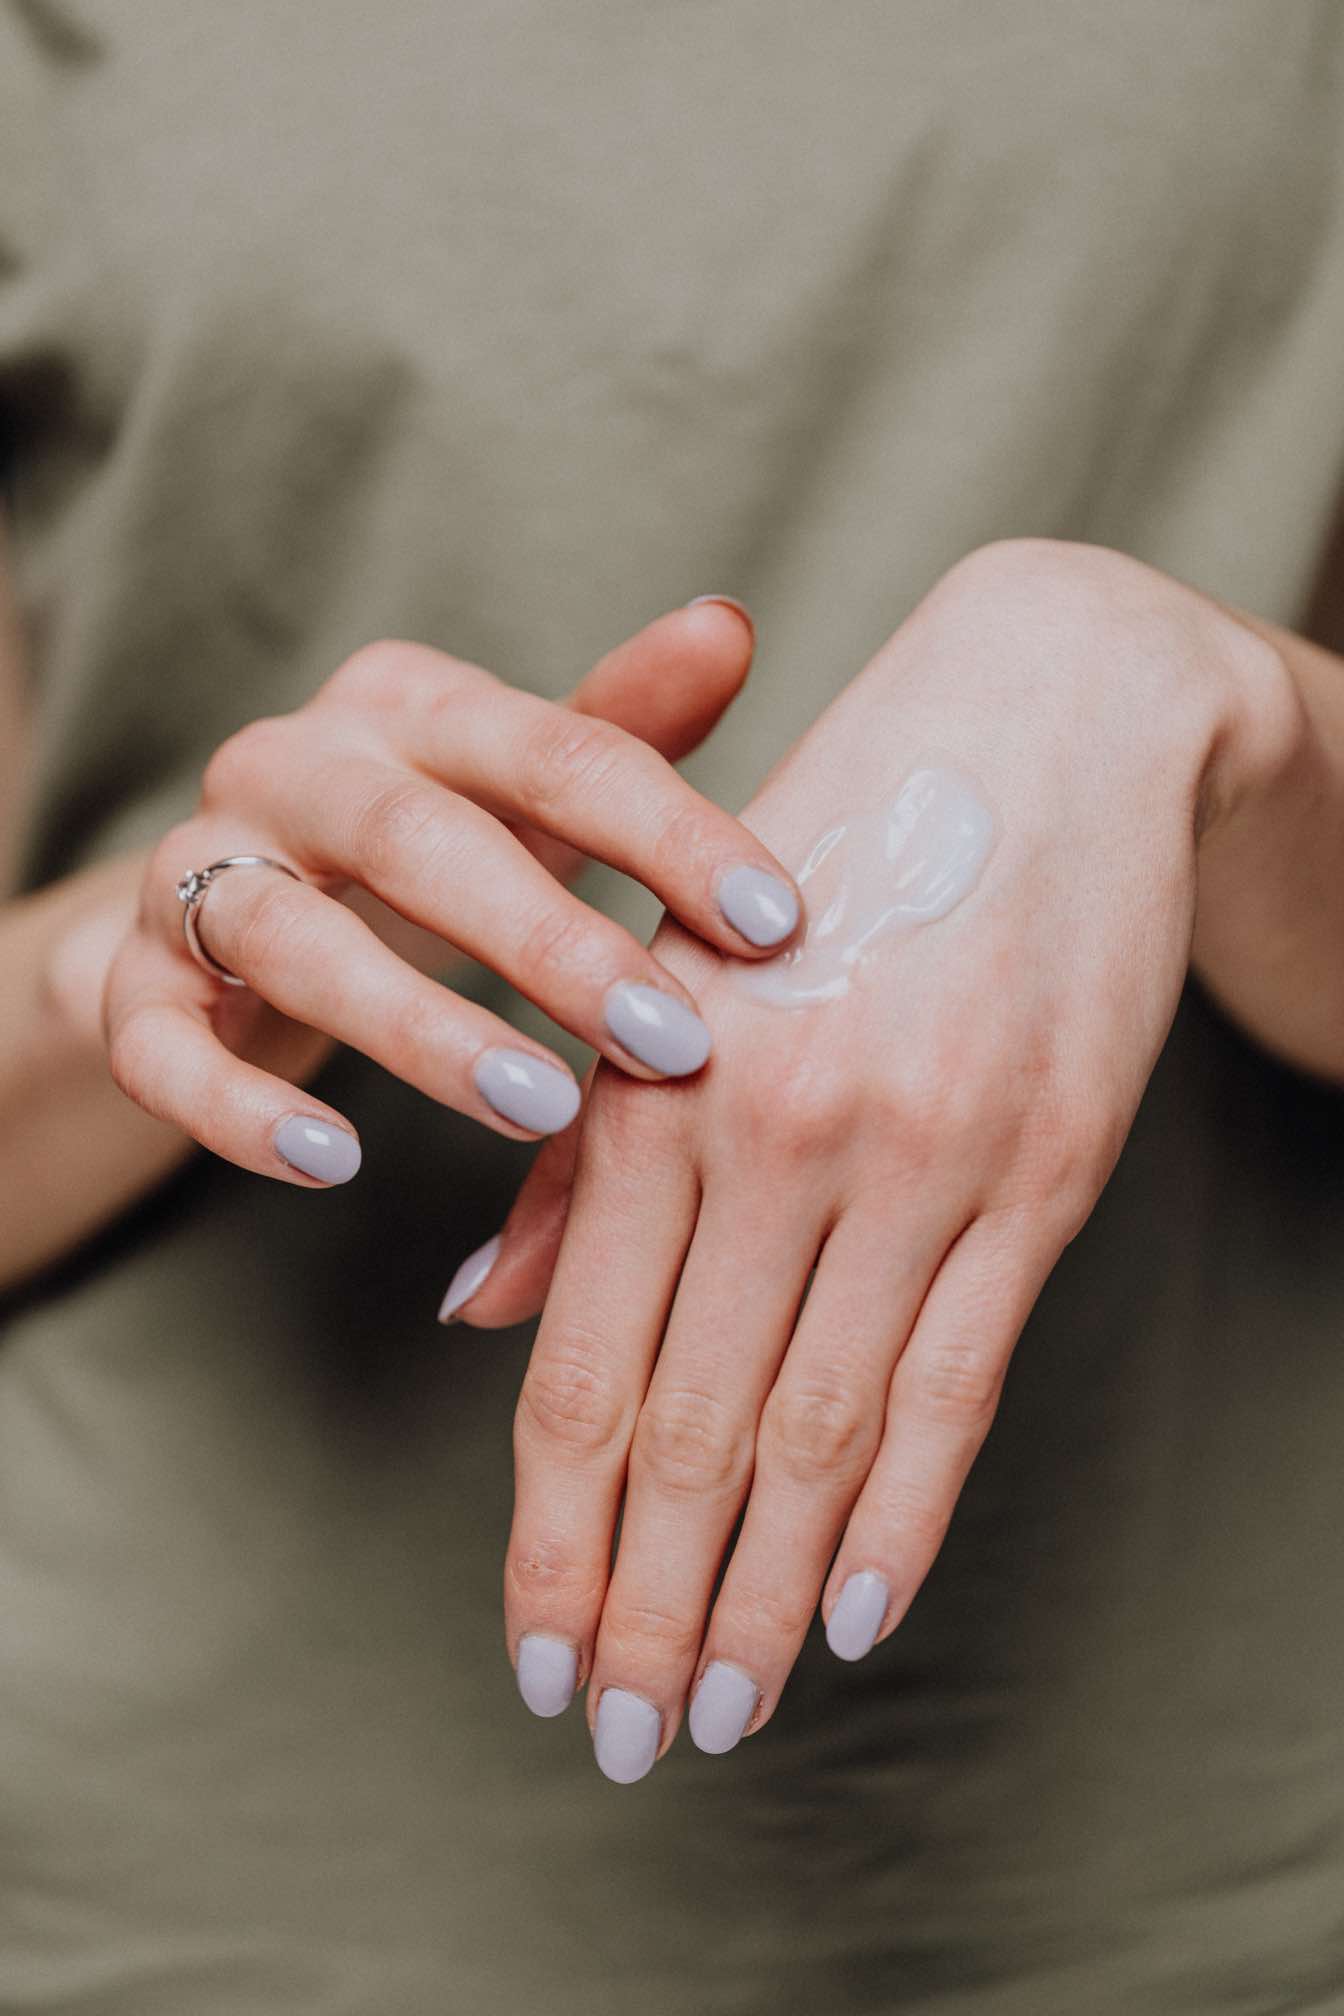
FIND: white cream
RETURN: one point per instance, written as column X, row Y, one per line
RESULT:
column 876, row 874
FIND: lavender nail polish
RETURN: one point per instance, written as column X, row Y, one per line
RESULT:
column 721, row 1707
column 548, row 1671
column 317, row 1149
column 657, row 1029
column 527, row 1090
column 625, row 1738
column 858, row 1615
column 470, row 1276
column 760, row 907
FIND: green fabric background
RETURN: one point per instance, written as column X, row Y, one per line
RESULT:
column 506, row 326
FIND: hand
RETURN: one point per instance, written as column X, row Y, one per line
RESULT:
column 919, row 1150
column 456, row 801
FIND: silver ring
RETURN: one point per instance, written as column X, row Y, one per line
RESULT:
column 191, row 894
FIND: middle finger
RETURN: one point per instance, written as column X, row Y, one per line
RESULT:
column 820, row 1432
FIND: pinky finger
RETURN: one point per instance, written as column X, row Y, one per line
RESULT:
column 165, row 1056
column 943, row 1397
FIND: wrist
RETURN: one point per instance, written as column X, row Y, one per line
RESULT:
column 1260, row 731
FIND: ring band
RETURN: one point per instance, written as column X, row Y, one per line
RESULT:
column 191, row 894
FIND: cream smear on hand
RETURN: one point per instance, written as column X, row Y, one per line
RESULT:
column 876, row 874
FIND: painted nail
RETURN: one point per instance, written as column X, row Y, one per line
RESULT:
column 524, row 1089
column 625, row 1740
column 759, row 906
column 469, row 1277
column 656, row 1029
column 721, row 1708
column 328, row 1153
column 729, row 602
column 857, row 1616
column 548, row 1672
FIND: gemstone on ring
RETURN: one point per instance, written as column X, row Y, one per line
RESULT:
column 193, row 885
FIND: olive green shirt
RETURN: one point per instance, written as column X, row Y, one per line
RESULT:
column 507, row 326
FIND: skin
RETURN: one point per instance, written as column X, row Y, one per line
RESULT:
column 424, row 801
column 921, row 1150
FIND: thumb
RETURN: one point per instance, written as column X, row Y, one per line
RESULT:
column 520, row 1259
column 668, row 684
column 672, row 680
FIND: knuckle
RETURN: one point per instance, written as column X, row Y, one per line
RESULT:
column 397, row 825
column 930, row 1111
column 564, row 937
column 816, row 1430
column 262, row 930
column 1062, row 1170
column 567, row 756
column 688, row 1441
column 252, row 754
column 415, row 1028
column 546, row 1570
column 954, row 1382
column 910, row 1514
column 684, row 838
column 792, row 1107
column 634, row 1133
column 761, row 1612
column 568, row 1402
column 371, row 676
column 643, row 1631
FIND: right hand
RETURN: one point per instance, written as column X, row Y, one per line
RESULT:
column 459, row 803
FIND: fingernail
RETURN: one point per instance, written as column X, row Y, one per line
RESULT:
column 548, row 1672
column 857, row 1616
column 657, row 1029
column 469, row 1277
column 524, row 1089
column 329, row 1153
column 760, row 906
column 625, row 1740
column 721, row 1708
column 729, row 602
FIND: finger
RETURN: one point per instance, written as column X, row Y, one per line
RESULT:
column 164, row 1054
column 602, row 790
column 669, row 684
column 635, row 1200
column 315, row 961
column 819, row 1433
column 691, row 1459
column 943, row 1397
column 672, row 681
column 446, row 864
column 506, row 1280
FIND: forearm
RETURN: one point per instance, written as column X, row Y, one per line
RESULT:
column 73, row 1150
column 1269, row 934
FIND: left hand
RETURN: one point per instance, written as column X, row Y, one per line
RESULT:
column 928, row 1145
